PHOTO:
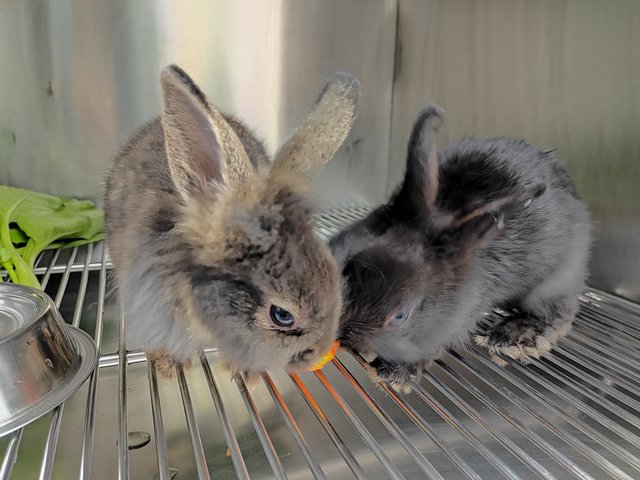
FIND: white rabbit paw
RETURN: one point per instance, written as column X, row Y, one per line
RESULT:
column 519, row 338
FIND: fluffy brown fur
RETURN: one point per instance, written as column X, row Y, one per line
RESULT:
column 206, row 233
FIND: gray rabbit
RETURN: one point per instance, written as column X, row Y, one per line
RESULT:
column 485, row 223
column 213, row 244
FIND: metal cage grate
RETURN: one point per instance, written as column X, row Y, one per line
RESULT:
column 572, row 414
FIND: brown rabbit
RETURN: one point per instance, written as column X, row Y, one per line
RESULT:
column 213, row 244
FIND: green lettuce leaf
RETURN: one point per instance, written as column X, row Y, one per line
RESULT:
column 38, row 221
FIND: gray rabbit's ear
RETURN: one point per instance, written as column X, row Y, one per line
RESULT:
column 499, row 206
column 203, row 151
column 476, row 226
column 420, row 186
column 324, row 130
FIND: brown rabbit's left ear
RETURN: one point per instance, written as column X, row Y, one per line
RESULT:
column 202, row 149
column 317, row 140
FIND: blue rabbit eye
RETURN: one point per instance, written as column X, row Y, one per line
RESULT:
column 280, row 316
column 397, row 319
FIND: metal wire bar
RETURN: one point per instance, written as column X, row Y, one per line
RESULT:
column 192, row 426
column 535, row 438
column 421, row 423
column 620, row 396
column 576, row 400
column 11, row 454
column 364, row 433
column 615, row 336
column 227, row 428
column 565, row 436
column 610, row 322
column 82, row 291
column 495, row 433
column 562, row 413
column 609, row 369
column 315, row 467
column 588, row 328
column 93, row 267
column 545, row 366
column 46, row 468
column 435, row 405
column 622, row 317
column 36, row 264
column 614, row 301
column 113, row 359
column 261, row 430
column 324, row 421
column 158, row 424
column 123, row 447
column 49, row 270
column 133, row 357
column 577, row 403
column 621, row 309
column 427, row 468
column 86, row 456
column 62, row 288
column 334, row 220
column 586, row 334
column 597, row 322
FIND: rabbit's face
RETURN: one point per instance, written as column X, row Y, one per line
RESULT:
column 397, row 288
column 406, row 265
column 272, row 299
column 261, row 282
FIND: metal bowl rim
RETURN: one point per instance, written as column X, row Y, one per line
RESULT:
column 42, row 311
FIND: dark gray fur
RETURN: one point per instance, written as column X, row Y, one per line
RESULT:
column 503, row 228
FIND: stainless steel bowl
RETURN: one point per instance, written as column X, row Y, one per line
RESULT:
column 42, row 359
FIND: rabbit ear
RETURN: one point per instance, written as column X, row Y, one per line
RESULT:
column 324, row 130
column 497, row 205
column 202, row 149
column 476, row 226
column 458, row 246
column 420, row 186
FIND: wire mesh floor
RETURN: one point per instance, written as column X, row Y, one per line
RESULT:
column 572, row 415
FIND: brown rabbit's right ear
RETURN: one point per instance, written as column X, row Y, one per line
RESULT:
column 420, row 186
column 324, row 130
column 202, row 149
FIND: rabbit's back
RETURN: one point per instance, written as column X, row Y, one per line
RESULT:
column 540, row 236
column 139, row 171
column 475, row 168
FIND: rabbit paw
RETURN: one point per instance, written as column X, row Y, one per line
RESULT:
column 398, row 375
column 165, row 364
column 519, row 338
column 250, row 379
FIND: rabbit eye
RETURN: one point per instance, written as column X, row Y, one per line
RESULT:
column 398, row 318
column 280, row 316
